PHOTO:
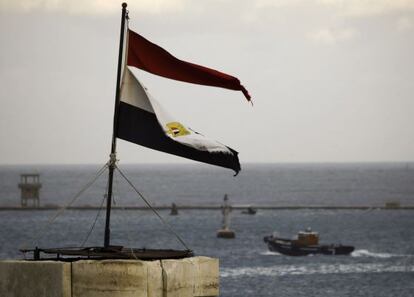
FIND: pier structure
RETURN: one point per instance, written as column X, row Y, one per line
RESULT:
column 30, row 189
column 212, row 207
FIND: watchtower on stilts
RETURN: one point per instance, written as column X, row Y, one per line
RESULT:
column 30, row 188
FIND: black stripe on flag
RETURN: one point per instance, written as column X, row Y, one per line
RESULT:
column 142, row 127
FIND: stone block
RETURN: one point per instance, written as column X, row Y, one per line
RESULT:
column 109, row 278
column 206, row 276
column 40, row 279
column 155, row 282
column 178, row 278
column 196, row 276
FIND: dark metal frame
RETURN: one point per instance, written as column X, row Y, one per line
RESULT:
column 113, row 252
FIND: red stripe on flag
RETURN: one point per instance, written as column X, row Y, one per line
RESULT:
column 154, row 59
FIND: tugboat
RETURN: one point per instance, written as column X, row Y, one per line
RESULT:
column 174, row 210
column 306, row 243
column 250, row 211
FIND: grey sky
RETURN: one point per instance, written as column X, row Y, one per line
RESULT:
column 331, row 80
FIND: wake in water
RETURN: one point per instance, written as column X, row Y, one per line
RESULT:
column 356, row 254
column 366, row 253
column 282, row 270
column 270, row 253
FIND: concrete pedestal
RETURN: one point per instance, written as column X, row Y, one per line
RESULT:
column 226, row 233
column 40, row 279
column 190, row 277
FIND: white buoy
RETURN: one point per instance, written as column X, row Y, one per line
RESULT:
column 225, row 231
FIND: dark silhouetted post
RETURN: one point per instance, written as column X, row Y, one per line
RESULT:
column 112, row 159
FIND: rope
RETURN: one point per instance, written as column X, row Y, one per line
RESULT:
column 94, row 222
column 41, row 232
column 118, row 190
column 149, row 205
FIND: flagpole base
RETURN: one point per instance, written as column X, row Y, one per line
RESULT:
column 110, row 252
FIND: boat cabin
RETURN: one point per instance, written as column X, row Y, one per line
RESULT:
column 307, row 237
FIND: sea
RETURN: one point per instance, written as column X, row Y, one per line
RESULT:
column 382, row 264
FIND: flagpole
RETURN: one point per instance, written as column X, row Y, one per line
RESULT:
column 112, row 159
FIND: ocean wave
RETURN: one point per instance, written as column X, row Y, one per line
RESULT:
column 282, row 270
column 270, row 253
column 367, row 253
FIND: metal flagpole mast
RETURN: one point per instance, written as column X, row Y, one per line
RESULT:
column 112, row 159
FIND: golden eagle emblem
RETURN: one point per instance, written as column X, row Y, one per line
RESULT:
column 176, row 129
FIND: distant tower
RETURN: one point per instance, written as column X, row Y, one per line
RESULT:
column 30, row 188
column 225, row 231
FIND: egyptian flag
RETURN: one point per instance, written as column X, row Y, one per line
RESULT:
column 148, row 56
column 143, row 121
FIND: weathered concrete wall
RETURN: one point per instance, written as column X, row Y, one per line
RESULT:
column 206, row 276
column 35, row 279
column 109, row 278
column 192, row 277
column 155, row 283
column 178, row 278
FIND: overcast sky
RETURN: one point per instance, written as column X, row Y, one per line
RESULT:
column 331, row 80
